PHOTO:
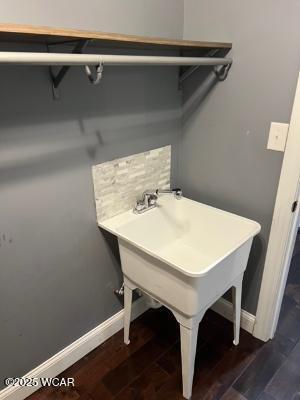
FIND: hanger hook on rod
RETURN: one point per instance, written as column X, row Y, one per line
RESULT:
column 221, row 73
column 99, row 73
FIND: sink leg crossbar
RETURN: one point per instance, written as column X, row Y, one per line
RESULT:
column 188, row 330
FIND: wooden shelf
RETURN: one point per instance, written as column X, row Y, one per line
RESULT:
column 47, row 35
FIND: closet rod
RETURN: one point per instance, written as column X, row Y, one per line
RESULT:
column 26, row 58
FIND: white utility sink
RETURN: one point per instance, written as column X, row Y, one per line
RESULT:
column 185, row 255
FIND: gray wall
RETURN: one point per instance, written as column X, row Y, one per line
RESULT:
column 223, row 156
column 58, row 271
column 140, row 17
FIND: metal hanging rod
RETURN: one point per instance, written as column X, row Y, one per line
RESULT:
column 26, row 58
column 76, row 58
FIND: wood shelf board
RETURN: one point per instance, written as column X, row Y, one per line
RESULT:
column 43, row 34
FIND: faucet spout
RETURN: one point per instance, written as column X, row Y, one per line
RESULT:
column 177, row 192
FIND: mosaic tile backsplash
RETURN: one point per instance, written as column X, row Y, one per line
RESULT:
column 119, row 183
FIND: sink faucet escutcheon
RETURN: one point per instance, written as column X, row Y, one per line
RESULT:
column 149, row 199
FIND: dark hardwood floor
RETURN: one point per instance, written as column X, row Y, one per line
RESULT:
column 149, row 368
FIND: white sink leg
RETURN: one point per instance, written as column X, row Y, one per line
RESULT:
column 188, row 338
column 127, row 312
column 237, row 297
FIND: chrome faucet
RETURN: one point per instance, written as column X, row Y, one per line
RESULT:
column 149, row 199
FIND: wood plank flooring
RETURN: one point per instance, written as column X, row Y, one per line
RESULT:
column 149, row 368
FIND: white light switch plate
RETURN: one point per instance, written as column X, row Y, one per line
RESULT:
column 277, row 136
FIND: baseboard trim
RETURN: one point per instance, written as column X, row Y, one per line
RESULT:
column 225, row 308
column 74, row 352
column 88, row 342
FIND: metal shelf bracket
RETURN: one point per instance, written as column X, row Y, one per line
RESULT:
column 59, row 76
column 220, row 72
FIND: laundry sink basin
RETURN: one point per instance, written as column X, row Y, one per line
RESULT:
column 190, row 237
column 185, row 255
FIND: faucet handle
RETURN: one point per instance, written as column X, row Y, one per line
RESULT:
column 139, row 207
column 152, row 199
column 149, row 197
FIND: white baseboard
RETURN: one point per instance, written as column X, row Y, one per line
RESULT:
column 88, row 342
column 74, row 352
column 225, row 308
